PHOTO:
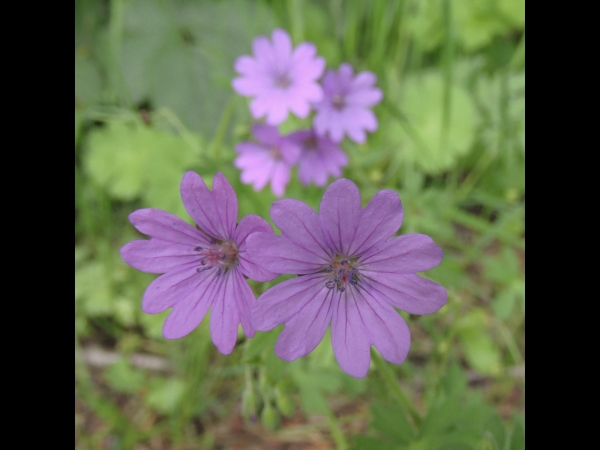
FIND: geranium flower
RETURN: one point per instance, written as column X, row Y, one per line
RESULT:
column 319, row 157
column 203, row 267
column 278, row 78
column 345, row 105
column 270, row 159
column 352, row 276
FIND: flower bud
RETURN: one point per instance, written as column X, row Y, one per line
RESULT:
column 284, row 403
column 249, row 402
column 270, row 417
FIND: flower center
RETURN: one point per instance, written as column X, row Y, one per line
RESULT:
column 338, row 101
column 275, row 153
column 343, row 273
column 310, row 143
column 220, row 255
column 282, row 81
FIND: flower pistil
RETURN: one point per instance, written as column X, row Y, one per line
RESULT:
column 343, row 272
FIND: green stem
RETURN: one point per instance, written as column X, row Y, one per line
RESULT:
column 396, row 390
column 336, row 431
column 222, row 127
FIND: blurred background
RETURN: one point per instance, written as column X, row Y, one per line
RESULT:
column 153, row 99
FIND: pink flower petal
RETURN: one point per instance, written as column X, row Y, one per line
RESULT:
column 279, row 254
column 247, row 66
column 165, row 226
column 156, row 256
column 200, row 204
column 306, row 328
column 379, row 221
column 340, row 212
column 224, row 316
column 227, row 204
column 280, row 303
column 300, row 224
column 191, row 309
column 385, row 328
column 245, row 301
column 280, row 178
column 407, row 292
column 409, row 253
column 169, row 289
column 349, row 338
column 282, row 44
column 262, row 50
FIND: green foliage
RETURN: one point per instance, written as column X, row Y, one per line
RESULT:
column 182, row 56
column 122, row 377
column 478, row 346
column 131, row 160
column 165, row 395
column 425, row 139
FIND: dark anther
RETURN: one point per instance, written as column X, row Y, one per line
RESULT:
column 343, row 262
column 354, row 271
column 224, row 256
column 202, row 269
column 213, row 242
column 330, row 284
column 336, row 279
column 197, row 249
column 218, row 272
column 341, row 272
column 329, row 268
column 202, row 262
column 353, row 281
column 341, row 289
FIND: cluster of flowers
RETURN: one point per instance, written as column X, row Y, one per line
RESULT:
column 280, row 80
column 352, row 272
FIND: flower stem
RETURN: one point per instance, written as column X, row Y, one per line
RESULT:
column 336, row 432
column 222, row 127
column 396, row 390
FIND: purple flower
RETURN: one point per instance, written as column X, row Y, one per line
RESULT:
column 203, row 267
column 271, row 159
column 345, row 105
column 353, row 275
column 319, row 157
column 278, row 78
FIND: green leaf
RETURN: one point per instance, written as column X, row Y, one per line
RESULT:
column 420, row 139
column 181, row 54
column 370, row 443
column 504, row 303
column 455, row 381
column 133, row 161
column 88, row 82
column 480, row 350
column 518, row 435
column 391, row 420
column 460, row 423
column 502, row 268
column 165, row 395
column 93, row 289
column 123, row 377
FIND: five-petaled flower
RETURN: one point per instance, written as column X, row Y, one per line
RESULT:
column 319, row 157
column 345, row 105
column 270, row 159
column 352, row 276
column 203, row 267
column 280, row 79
